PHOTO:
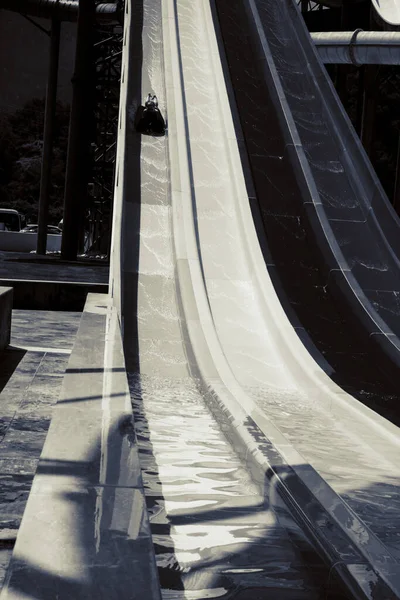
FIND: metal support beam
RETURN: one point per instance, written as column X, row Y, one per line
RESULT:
column 108, row 60
column 342, row 70
column 78, row 160
column 304, row 6
column 47, row 154
column 369, row 107
column 396, row 195
column 360, row 98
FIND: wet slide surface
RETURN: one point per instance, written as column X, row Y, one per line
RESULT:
column 367, row 482
column 215, row 536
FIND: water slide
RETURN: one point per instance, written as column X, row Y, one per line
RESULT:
column 258, row 192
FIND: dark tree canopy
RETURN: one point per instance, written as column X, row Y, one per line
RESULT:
column 21, row 144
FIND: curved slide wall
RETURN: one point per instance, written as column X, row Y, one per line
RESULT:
column 189, row 279
column 354, row 225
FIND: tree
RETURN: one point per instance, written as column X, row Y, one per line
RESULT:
column 21, row 145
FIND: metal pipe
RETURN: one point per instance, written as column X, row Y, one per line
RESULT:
column 63, row 10
column 360, row 47
column 396, row 193
column 47, row 155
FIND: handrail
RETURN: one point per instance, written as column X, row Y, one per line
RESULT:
column 359, row 47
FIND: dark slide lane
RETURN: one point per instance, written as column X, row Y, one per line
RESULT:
column 291, row 258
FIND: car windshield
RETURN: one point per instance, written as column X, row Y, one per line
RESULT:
column 10, row 220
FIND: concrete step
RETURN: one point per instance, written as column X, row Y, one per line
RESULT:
column 85, row 531
column 27, row 402
column 32, row 372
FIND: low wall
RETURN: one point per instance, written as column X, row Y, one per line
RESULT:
column 85, row 532
column 6, row 305
column 51, row 295
column 15, row 241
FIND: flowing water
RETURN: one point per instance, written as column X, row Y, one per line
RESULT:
column 214, row 535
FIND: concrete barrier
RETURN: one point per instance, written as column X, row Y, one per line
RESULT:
column 85, row 531
column 6, row 305
column 15, row 241
column 52, row 295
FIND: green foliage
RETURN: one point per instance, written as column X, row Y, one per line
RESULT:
column 21, row 144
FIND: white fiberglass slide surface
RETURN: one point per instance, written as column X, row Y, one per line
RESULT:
column 228, row 299
column 213, row 530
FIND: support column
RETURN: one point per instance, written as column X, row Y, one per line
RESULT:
column 47, row 154
column 396, row 195
column 369, row 107
column 78, row 161
column 343, row 70
column 360, row 99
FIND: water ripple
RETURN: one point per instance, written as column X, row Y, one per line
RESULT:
column 213, row 533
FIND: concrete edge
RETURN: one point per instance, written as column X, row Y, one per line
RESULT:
column 249, row 427
column 87, row 497
column 6, row 306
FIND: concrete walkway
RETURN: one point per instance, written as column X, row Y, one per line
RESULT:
column 32, row 371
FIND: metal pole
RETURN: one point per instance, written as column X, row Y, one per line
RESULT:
column 47, row 155
column 396, row 195
column 360, row 99
column 343, row 70
column 369, row 107
column 78, row 160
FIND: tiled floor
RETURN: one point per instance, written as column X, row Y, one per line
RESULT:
column 44, row 329
column 40, row 345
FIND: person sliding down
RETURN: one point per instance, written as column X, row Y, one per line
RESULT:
column 149, row 120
